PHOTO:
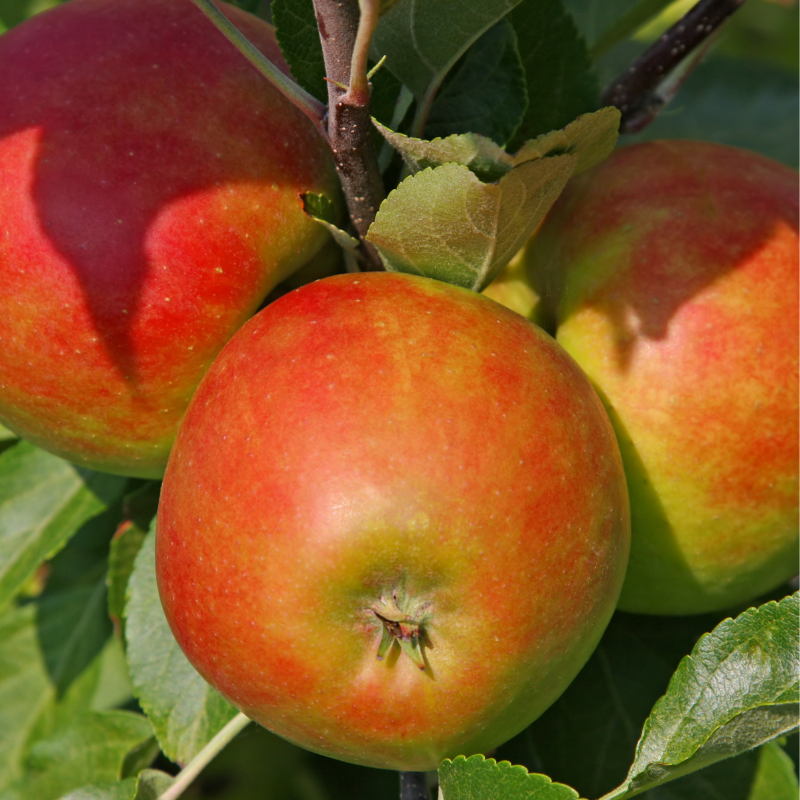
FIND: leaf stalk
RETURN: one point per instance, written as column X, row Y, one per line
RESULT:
column 187, row 775
column 307, row 103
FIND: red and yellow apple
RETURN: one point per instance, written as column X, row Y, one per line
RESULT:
column 149, row 198
column 394, row 523
column 670, row 273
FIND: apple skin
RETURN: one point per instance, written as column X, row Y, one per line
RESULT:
column 512, row 289
column 149, row 182
column 670, row 273
column 379, row 433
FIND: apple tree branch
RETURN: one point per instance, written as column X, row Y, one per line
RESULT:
column 648, row 84
column 345, row 32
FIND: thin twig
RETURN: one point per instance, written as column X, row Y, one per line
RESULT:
column 292, row 91
column 637, row 92
column 345, row 37
column 202, row 759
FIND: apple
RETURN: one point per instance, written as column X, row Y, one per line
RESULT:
column 149, row 198
column 512, row 289
column 670, row 273
column 394, row 523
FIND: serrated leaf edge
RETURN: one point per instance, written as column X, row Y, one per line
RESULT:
column 685, row 664
column 480, row 758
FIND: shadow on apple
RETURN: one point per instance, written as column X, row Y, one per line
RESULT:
column 151, row 180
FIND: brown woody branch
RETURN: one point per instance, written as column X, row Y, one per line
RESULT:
column 349, row 126
column 638, row 93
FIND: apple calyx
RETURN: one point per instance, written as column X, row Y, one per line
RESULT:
column 403, row 628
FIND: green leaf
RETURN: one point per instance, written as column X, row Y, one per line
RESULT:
column 487, row 93
column 5, row 434
column 184, row 710
column 90, row 750
column 73, row 627
column 776, row 778
column 296, row 29
column 485, row 159
column 738, row 689
column 479, row 778
column 444, row 223
column 741, row 103
column 122, row 790
column 588, row 737
column 422, row 41
column 124, row 549
column 25, row 688
column 139, row 509
column 590, row 138
column 323, row 210
column 55, row 660
column 113, row 688
column 44, row 500
column 759, row 774
column 29, row 707
column 73, row 624
column 149, row 785
column 559, row 73
column 152, row 784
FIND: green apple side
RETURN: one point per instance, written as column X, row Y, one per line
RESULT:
column 670, row 273
column 139, row 231
column 394, row 523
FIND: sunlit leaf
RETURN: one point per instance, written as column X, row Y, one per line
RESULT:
column 29, row 704
column 590, row 138
column 44, row 500
column 739, row 689
column 445, row 223
column 184, row 710
column 90, row 750
column 479, row 778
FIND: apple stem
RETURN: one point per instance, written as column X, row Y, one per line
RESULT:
column 645, row 88
column 414, row 786
column 345, row 31
column 204, row 757
column 307, row 103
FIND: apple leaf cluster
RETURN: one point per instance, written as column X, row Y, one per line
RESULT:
column 482, row 203
column 483, row 110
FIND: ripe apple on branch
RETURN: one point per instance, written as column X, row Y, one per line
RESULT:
column 394, row 524
column 141, row 231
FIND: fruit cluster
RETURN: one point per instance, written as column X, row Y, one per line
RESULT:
column 396, row 515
